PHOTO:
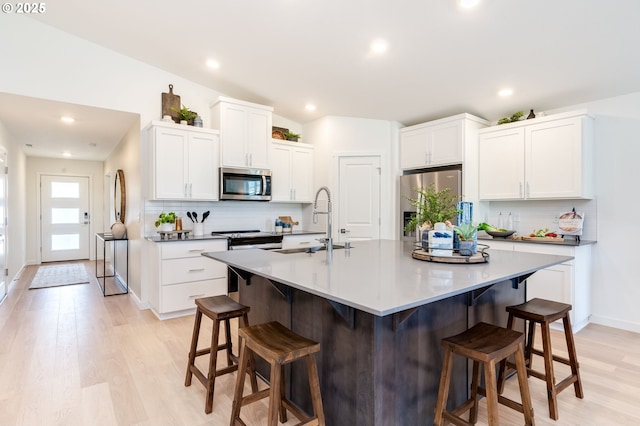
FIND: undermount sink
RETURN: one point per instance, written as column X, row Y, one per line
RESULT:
column 306, row 249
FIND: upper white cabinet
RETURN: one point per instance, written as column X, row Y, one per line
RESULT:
column 292, row 172
column 544, row 158
column 436, row 143
column 245, row 132
column 184, row 162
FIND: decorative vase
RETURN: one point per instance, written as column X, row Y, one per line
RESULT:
column 531, row 115
column 184, row 122
column 467, row 248
column 118, row 230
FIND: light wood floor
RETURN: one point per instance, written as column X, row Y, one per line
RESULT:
column 69, row 356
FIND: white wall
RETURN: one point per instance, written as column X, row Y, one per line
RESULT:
column 16, row 256
column 334, row 136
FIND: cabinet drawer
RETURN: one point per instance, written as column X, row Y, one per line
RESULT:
column 296, row 241
column 191, row 269
column 182, row 296
column 192, row 248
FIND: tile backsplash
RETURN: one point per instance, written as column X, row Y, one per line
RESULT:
column 529, row 215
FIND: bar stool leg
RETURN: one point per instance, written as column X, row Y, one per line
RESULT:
column 193, row 348
column 251, row 361
column 314, row 385
column 213, row 362
column 521, row 369
column 548, row 371
column 492, row 393
column 228, row 344
column 237, row 394
column 573, row 357
column 475, row 382
column 275, row 395
column 443, row 393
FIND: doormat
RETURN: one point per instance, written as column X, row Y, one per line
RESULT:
column 58, row 275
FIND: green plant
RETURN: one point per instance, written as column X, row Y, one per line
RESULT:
column 185, row 113
column 291, row 136
column 466, row 231
column 517, row 116
column 165, row 218
column 432, row 207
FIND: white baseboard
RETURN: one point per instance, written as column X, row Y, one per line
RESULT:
column 615, row 323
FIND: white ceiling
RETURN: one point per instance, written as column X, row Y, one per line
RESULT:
column 442, row 60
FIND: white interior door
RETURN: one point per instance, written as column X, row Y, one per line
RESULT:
column 359, row 206
column 64, row 217
column 3, row 224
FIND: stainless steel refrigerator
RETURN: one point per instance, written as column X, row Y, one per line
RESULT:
column 451, row 179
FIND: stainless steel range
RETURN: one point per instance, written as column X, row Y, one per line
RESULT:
column 249, row 239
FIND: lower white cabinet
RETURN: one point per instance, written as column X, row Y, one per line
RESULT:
column 181, row 275
column 569, row 282
column 302, row 240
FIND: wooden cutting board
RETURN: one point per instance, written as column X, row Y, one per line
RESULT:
column 170, row 103
column 543, row 239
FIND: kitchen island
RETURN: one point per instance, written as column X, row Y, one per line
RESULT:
column 379, row 316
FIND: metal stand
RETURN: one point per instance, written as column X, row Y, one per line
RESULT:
column 117, row 279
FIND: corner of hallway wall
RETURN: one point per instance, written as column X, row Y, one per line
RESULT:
column 16, row 254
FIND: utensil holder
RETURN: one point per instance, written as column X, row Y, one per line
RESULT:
column 198, row 229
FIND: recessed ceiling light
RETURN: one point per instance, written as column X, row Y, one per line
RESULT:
column 310, row 107
column 67, row 119
column 213, row 64
column 66, row 154
column 468, row 4
column 505, row 92
column 379, row 46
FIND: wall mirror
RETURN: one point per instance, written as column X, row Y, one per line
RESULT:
column 120, row 197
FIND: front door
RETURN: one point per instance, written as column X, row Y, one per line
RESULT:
column 359, row 195
column 64, row 217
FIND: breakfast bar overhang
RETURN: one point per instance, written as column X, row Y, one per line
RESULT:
column 379, row 316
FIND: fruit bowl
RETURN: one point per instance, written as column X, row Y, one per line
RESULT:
column 500, row 234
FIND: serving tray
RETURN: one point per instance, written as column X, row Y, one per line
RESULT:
column 479, row 257
column 542, row 239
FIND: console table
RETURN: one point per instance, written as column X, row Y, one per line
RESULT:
column 119, row 285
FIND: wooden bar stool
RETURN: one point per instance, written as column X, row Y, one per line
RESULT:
column 487, row 344
column 544, row 312
column 219, row 309
column 277, row 345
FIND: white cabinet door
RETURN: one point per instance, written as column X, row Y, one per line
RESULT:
column 553, row 159
column 445, row 144
column 233, row 134
column 203, row 154
column 169, row 162
column 413, row 148
column 302, row 174
column 281, row 172
column 552, row 283
column 259, row 137
column 501, row 165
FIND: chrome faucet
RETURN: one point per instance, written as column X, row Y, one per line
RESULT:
column 328, row 241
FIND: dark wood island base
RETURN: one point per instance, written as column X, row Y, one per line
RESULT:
column 376, row 370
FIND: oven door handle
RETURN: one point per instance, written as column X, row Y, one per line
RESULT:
column 264, row 185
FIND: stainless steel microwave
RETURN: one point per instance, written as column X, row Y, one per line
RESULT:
column 245, row 184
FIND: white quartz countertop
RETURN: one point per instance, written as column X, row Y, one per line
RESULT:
column 380, row 276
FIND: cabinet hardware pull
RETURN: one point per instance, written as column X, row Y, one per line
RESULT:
column 185, row 190
column 528, row 194
column 196, row 270
column 196, row 295
column 193, row 250
column 520, row 190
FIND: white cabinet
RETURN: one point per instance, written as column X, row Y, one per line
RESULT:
column 180, row 274
column 184, row 162
column 302, row 240
column 292, row 172
column 245, row 132
column 438, row 143
column 545, row 158
column 569, row 282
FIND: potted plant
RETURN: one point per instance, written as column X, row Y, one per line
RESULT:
column 290, row 136
column 467, row 243
column 165, row 221
column 185, row 115
column 432, row 207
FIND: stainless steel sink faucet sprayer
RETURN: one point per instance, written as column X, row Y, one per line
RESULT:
column 328, row 241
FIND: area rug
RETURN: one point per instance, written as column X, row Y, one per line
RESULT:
column 58, row 275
